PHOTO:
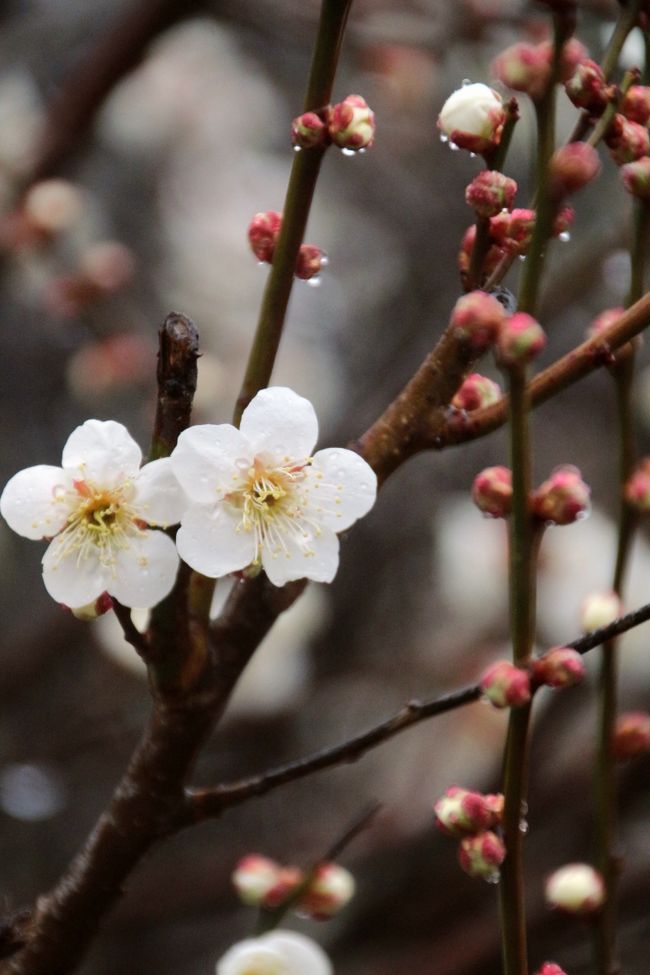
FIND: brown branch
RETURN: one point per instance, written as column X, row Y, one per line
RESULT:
column 210, row 803
column 132, row 635
column 177, row 356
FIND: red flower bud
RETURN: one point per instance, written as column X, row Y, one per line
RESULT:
column 493, row 257
column 632, row 734
column 514, row 230
column 550, row 968
column 460, row 812
column 330, row 890
column 505, row 686
column 476, row 392
column 637, row 488
column 627, row 140
column 588, row 88
column 563, row 498
column 524, row 67
column 351, row 124
column 309, row 130
column 477, row 318
column 482, row 855
column 559, row 667
column 311, row 260
column 492, row 491
column 253, row 877
column 571, row 167
column 489, row 192
column 262, row 234
column 636, row 177
column 521, row 338
column 636, row 104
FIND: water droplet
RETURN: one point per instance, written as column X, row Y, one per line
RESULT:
column 444, row 138
column 315, row 282
column 522, row 258
column 505, row 210
column 361, row 151
column 472, row 155
column 242, row 463
column 31, row 792
column 523, row 825
column 324, row 260
column 261, row 263
column 466, row 82
column 583, row 514
column 524, row 807
column 454, row 147
column 348, row 152
column 493, row 878
column 297, row 148
column 565, row 236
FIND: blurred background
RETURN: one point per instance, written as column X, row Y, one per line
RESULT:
column 186, row 146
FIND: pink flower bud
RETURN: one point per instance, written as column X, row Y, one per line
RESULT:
column 563, row 498
column 489, row 192
column 482, row 855
column 476, row 318
column 330, row 890
column 53, row 206
column 627, row 140
column 550, row 968
column 571, row 167
column 636, row 177
column 587, row 88
column 492, row 491
column 632, row 734
column 351, row 123
column 524, row 67
column 253, row 877
column 600, row 609
column 514, row 230
column 108, row 265
column 287, row 881
column 573, row 52
column 311, row 260
column 476, row 392
column 521, row 338
column 263, row 233
column 637, row 488
column 576, row 889
column 604, row 320
column 559, row 667
column 309, row 130
column 493, row 257
column 473, row 117
column 92, row 611
column 460, row 812
column 563, row 221
column 636, row 104
column 505, row 686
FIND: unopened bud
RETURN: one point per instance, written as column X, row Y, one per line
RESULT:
column 550, row 968
column 473, row 117
column 330, row 890
column 477, row 318
column 637, row 488
column 263, row 233
column 524, row 67
column 476, row 392
column 573, row 50
column 636, row 104
column 521, row 338
column 632, row 734
column 571, row 167
column 587, row 88
column 351, row 123
column 309, row 130
column 490, row 192
column 310, row 262
column 253, row 877
column 600, row 609
column 559, row 667
column 563, row 498
column 576, row 889
column 627, row 140
column 514, row 230
column 492, row 491
column 482, row 855
column 93, row 610
column 53, row 206
column 287, row 881
column 460, row 812
column 492, row 259
column 636, row 177
column 505, row 686
column 563, row 221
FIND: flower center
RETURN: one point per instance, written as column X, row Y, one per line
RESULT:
column 100, row 523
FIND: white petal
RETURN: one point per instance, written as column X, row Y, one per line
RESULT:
column 304, row 956
column 145, row 571
column 209, row 542
column 208, row 459
column 159, row 498
column 341, row 486
column 34, row 502
column 281, row 423
column 103, row 452
column 253, row 956
column 72, row 580
column 314, row 557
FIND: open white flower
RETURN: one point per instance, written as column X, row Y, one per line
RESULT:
column 97, row 508
column 260, row 498
column 277, row 953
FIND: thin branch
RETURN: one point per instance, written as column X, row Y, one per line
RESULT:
column 203, row 804
column 132, row 635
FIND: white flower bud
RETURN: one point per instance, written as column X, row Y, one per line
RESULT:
column 473, row 117
column 575, row 888
column 277, row 953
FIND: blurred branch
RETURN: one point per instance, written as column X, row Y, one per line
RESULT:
column 203, row 804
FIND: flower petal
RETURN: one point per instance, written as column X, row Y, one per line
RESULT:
column 253, row 955
column 210, row 542
column 72, row 580
column 302, row 557
column 342, row 487
column 303, row 956
column 34, row 502
column 145, row 571
column 208, row 459
column 103, row 452
column 159, row 498
column 280, row 423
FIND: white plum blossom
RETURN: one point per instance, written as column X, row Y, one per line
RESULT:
column 97, row 509
column 260, row 498
column 277, row 953
column 473, row 117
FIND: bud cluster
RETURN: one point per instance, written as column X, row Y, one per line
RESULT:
column 263, row 233
column 527, row 67
column 261, row 882
column 349, row 124
column 472, row 817
column 626, row 140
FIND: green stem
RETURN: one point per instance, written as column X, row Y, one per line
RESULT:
column 626, row 22
column 300, row 191
column 522, row 610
